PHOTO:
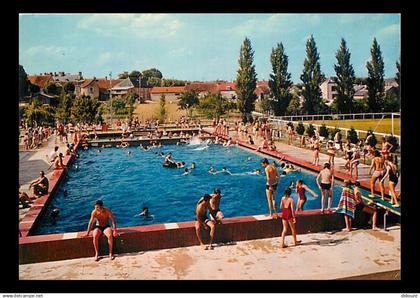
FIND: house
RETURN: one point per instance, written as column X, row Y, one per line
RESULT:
column 202, row 88
column 63, row 78
column 96, row 88
column 226, row 89
column 360, row 92
column 329, row 90
column 171, row 93
column 262, row 89
column 40, row 80
column 45, row 98
column 126, row 86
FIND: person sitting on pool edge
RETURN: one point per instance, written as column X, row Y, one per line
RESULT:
column 202, row 221
column 40, row 185
column 102, row 216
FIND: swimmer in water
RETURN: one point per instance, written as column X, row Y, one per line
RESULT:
column 99, row 151
column 128, row 152
column 193, row 166
column 186, row 172
column 212, row 170
column 145, row 213
column 180, row 165
column 54, row 214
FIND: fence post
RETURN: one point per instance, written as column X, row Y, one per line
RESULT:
column 392, row 121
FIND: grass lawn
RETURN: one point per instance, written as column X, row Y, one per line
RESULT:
column 383, row 126
column 149, row 110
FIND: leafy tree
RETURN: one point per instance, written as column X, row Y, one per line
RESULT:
column 162, row 112
column 154, row 82
column 375, row 80
column 294, row 107
column 135, row 74
column 23, row 83
column 265, row 104
column 172, row 83
column 52, row 89
column 188, row 101
column 69, row 88
column 40, row 114
column 352, row 135
column 334, row 132
column 391, row 101
column 311, row 78
column 323, row 131
column 85, row 109
column 360, row 81
column 300, row 129
column 214, row 105
column 152, row 73
column 344, row 79
column 123, row 75
column 246, row 81
column 63, row 111
column 280, row 80
column 33, row 88
column 310, row 130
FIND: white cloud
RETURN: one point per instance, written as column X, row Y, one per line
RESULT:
column 391, row 30
column 55, row 51
column 135, row 25
column 285, row 23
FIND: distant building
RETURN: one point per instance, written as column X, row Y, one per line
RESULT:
column 63, row 78
column 40, row 80
column 360, row 92
column 171, row 93
column 96, row 88
column 329, row 90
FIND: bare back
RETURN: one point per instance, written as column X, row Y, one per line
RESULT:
column 272, row 175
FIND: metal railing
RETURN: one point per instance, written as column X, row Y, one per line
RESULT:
column 285, row 119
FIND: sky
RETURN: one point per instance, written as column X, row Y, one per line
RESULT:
column 200, row 47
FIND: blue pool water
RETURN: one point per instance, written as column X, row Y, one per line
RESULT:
column 126, row 183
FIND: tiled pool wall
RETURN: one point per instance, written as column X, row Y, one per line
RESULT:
column 43, row 248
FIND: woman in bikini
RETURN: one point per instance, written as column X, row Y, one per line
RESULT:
column 288, row 217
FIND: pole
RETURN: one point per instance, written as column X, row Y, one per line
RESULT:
column 392, row 121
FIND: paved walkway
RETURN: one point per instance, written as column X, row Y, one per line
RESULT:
column 321, row 256
column 31, row 162
column 308, row 155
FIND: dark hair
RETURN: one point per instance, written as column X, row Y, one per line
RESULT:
column 264, row 161
column 326, row 165
column 299, row 181
column 347, row 183
column 56, row 148
column 357, row 183
column 287, row 191
column 42, row 173
column 99, row 202
column 207, row 197
column 217, row 190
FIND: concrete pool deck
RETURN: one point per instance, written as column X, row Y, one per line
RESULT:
column 360, row 254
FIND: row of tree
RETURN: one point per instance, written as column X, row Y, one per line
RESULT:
column 282, row 101
column 152, row 78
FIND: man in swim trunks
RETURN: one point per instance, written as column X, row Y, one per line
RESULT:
column 102, row 216
column 202, row 221
column 378, row 167
column 273, row 180
column 327, row 182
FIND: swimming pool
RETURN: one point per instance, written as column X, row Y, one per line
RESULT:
column 127, row 182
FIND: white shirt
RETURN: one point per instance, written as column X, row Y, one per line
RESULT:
column 53, row 155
